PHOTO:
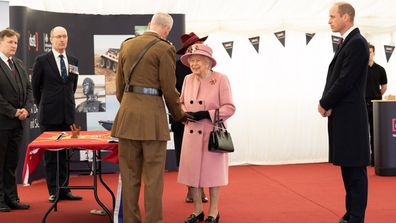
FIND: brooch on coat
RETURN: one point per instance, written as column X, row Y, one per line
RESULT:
column 212, row 81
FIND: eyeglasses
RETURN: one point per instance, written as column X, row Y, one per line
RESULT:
column 60, row 36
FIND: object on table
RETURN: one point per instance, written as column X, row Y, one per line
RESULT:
column 106, row 124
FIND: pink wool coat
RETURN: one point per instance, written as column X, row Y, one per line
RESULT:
column 199, row 167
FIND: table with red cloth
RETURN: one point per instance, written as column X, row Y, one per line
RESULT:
column 55, row 141
column 91, row 140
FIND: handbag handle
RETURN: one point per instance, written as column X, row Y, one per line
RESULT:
column 220, row 123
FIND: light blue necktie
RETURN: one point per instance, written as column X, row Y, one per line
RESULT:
column 63, row 69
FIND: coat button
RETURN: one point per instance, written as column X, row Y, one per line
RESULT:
column 199, row 132
column 200, row 102
column 191, row 102
column 191, row 131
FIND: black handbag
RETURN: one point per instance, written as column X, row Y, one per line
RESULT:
column 220, row 139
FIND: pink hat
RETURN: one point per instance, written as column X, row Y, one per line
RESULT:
column 198, row 49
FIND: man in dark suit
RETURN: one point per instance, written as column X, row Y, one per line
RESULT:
column 54, row 83
column 141, row 122
column 15, row 103
column 343, row 102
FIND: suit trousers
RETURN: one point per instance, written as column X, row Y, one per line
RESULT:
column 356, row 188
column 9, row 150
column 50, row 158
column 371, row 128
column 139, row 159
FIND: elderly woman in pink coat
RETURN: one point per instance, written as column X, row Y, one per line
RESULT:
column 203, row 92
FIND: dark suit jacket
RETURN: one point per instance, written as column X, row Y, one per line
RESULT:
column 345, row 94
column 9, row 100
column 55, row 99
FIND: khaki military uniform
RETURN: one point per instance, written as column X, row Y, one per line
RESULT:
column 141, row 124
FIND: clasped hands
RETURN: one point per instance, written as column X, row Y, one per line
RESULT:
column 21, row 113
column 323, row 112
column 197, row 116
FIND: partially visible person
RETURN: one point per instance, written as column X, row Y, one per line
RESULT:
column 91, row 104
column 343, row 102
column 177, row 127
column 376, row 87
column 54, row 83
column 141, row 122
column 15, row 103
column 203, row 92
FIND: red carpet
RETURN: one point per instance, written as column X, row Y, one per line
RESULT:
column 260, row 194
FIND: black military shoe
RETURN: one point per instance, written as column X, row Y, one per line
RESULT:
column 16, row 205
column 4, row 208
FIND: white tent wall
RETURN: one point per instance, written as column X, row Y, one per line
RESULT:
column 276, row 91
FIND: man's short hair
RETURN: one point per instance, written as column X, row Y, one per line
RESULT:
column 162, row 19
column 371, row 47
column 8, row 32
column 346, row 8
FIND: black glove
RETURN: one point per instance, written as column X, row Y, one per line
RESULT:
column 196, row 116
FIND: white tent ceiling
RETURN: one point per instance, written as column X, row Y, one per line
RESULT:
column 247, row 16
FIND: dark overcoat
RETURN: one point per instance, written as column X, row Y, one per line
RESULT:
column 345, row 93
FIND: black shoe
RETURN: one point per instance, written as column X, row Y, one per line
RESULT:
column 52, row 198
column 4, row 208
column 16, row 205
column 70, row 196
column 189, row 200
column 211, row 219
column 345, row 218
column 195, row 218
column 203, row 196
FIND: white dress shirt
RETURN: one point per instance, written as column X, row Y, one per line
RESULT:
column 57, row 59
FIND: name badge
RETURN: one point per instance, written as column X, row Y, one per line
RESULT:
column 73, row 69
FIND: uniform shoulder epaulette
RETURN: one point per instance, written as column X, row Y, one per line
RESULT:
column 167, row 41
column 132, row 37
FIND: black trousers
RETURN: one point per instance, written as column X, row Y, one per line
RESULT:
column 9, row 154
column 51, row 161
column 178, row 131
column 371, row 125
column 356, row 188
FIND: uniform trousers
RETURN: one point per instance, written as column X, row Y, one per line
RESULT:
column 142, row 159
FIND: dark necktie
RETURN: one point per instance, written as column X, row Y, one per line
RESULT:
column 341, row 42
column 63, row 69
column 11, row 64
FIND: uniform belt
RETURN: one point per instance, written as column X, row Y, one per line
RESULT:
column 143, row 90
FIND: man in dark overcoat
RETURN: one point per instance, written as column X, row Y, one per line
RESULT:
column 343, row 102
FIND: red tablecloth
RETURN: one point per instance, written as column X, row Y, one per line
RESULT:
column 92, row 140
